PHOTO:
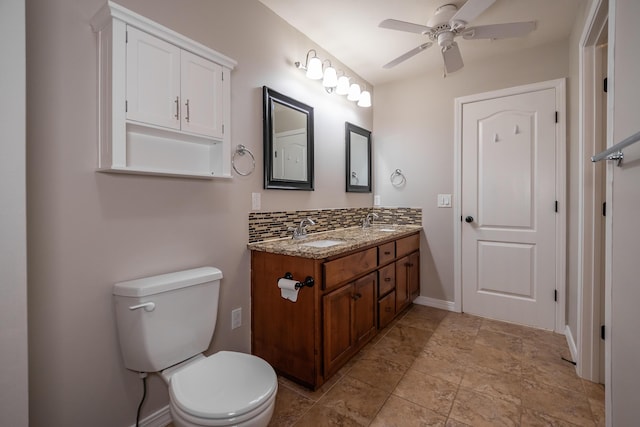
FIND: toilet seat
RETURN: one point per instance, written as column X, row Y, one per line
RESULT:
column 226, row 387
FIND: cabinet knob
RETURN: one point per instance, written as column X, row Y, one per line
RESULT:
column 387, row 279
column 356, row 297
column 388, row 309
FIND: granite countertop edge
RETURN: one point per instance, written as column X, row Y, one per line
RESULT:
column 353, row 238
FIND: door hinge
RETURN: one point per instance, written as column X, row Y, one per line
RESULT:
column 126, row 106
column 604, row 209
column 126, row 36
column 605, row 84
column 555, row 295
column 223, row 129
column 556, row 206
column 602, row 334
column 222, row 74
column 556, row 117
column 460, row 218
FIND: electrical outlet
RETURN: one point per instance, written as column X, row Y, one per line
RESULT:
column 255, row 201
column 236, row 318
column 376, row 200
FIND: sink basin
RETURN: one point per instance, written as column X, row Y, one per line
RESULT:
column 322, row 243
column 386, row 229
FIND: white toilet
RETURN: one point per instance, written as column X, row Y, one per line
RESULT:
column 164, row 324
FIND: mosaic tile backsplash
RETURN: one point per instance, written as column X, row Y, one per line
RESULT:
column 274, row 225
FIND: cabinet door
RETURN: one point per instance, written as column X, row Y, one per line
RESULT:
column 402, row 276
column 364, row 308
column 386, row 310
column 414, row 275
column 201, row 91
column 338, row 327
column 153, row 80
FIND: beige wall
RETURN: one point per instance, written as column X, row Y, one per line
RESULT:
column 13, row 219
column 413, row 131
column 88, row 230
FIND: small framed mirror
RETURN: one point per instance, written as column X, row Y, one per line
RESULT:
column 358, row 142
column 288, row 142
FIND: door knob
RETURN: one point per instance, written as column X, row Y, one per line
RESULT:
column 469, row 219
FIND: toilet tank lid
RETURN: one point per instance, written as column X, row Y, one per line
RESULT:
column 166, row 282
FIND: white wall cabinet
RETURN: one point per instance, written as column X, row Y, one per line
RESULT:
column 163, row 99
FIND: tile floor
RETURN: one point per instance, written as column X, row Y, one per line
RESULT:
column 436, row 368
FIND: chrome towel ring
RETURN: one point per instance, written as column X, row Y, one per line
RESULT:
column 242, row 150
column 397, row 178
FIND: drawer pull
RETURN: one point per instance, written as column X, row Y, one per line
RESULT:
column 387, row 252
column 387, row 279
column 356, row 297
column 388, row 309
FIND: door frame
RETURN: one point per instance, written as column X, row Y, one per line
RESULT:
column 559, row 85
column 589, row 301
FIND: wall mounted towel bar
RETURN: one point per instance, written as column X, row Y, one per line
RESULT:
column 615, row 152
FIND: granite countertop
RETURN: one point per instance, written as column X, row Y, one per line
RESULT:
column 350, row 238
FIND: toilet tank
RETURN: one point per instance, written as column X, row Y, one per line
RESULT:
column 174, row 319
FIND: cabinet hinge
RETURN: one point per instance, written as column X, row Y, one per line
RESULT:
column 223, row 129
column 222, row 74
column 126, row 106
column 556, row 117
column 126, row 36
column 555, row 295
column 604, row 209
column 602, row 332
column 556, row 206
column 604, row 87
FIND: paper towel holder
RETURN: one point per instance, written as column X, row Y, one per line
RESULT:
column 308, row 281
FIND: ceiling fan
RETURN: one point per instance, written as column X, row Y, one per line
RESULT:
column 449, row 22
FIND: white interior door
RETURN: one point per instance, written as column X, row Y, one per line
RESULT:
column 290, row 155
column 508, row 204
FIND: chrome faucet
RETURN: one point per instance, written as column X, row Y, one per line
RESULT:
column 300, row 232
column 368, row 220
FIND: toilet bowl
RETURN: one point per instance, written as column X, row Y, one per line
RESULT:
column 224, row 389
column 164, row 324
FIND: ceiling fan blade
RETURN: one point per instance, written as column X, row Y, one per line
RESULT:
column 471, row 10
column 394, row 24
column 452, row 58
column 408, row 55
column 499, row 31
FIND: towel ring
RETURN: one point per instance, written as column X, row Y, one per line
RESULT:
column 397, row 178
column 242, row 150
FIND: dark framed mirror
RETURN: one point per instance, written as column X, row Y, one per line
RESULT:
column 358, row 173
column 288, row 142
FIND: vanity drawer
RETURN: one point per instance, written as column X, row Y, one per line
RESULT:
column 386, row 309
column 407, row 245
column 387, row 279
column 386, row 252
column 342, row 269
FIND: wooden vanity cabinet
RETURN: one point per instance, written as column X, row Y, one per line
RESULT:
column 349, row 320
column 354, row 294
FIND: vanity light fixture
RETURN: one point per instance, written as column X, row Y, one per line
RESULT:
column 354, row 92
column 330, row 77
column 317, row 69
column 313, row 66
column 365, row 98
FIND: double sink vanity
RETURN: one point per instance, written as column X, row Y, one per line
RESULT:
column 362, row 278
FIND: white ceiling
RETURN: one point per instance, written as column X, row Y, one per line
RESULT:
column 348, row 29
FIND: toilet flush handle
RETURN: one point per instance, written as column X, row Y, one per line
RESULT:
column 148, row 306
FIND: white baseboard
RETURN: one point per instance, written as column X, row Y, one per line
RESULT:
column 572, row 344
column 435, row 303
column 160, row 418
